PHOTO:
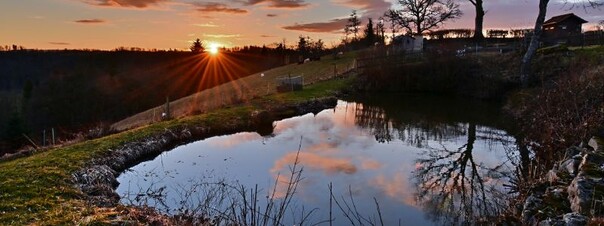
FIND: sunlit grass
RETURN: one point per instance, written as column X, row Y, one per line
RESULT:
column 244, row 89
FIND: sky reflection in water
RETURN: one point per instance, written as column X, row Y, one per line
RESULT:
column 360, row 149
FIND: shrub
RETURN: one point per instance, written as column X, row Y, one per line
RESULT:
column 564, row 112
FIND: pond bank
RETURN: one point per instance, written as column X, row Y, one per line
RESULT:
column 40, row 188
column 98, row 179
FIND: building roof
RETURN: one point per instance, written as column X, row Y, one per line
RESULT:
column 560, row 18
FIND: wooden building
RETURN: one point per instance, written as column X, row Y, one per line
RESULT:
column 563, row 29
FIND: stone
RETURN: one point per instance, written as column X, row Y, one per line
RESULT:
column 530, row 208
column 571, row 165
column 580, row 192
column 575, row 219
column 557, row 221
column 596, row 143
column 572, row 152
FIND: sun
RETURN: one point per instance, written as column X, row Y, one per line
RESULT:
column 214, row 48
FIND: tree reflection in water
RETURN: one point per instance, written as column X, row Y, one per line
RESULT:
column 453, row 186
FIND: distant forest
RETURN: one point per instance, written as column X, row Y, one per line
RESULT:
column 77, row 90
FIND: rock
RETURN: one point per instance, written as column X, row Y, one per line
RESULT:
column 596, row 143
column 571, row 165
column 575, row 219
column 572, row 152
column 556, row 192
column 581, row 192
column 530, row 208
column 557, row 221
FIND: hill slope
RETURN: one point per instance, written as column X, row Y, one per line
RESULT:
column 242, row 90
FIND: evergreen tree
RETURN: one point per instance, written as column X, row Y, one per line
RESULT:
column 197, row 46
column 369, row 38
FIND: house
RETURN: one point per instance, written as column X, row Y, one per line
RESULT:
column 407, row 43
column 563, row 29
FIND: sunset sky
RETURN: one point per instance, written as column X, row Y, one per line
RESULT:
column 164, row 24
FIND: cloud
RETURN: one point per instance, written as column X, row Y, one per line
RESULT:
column 234, row 140
column 222, row 35
column 59, row 43
column 370, row 164
column 90, row 21
column 206, row 25
column 369, row 8
column 284, row 4
column 215, row 7
column 124, row 3
column 329, row 165
column 396, row 187
column 268, row 36
column 331, row 26
column 271, row 15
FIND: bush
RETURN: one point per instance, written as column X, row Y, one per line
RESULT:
column 564, row 112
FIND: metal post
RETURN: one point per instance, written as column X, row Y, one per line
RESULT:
column 291, row 84
column 53, row 136
column 43, row 138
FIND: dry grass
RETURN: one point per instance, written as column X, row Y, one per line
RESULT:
column 242, row 90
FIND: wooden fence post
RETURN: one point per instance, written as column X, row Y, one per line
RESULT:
column 53, row 136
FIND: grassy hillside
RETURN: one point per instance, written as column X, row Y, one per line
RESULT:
column 243, row 90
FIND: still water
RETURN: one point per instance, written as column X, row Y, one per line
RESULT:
column 423, row 160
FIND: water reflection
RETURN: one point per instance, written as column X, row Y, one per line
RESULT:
column 426, row 160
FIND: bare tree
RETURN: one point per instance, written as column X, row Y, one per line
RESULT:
column 525, row 69
column 417, row 16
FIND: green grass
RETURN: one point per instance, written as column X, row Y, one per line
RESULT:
column 37, row 189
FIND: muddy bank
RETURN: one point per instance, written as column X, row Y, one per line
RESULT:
column 98, row 180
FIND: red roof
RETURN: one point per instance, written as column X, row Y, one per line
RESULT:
column 560, row 18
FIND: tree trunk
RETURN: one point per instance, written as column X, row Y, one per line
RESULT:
column 525, row 69
column 478, row 21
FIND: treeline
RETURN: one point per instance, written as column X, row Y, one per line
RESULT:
column 74, row 91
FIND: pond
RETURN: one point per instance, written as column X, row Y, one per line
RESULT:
column 405, row 159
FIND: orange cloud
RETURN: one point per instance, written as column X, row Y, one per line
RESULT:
column 370, row 164
column 329, row 165
column 215, row 7
column 125, row 3
column 90, row 21
column 59, row 43
column 395, row 187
